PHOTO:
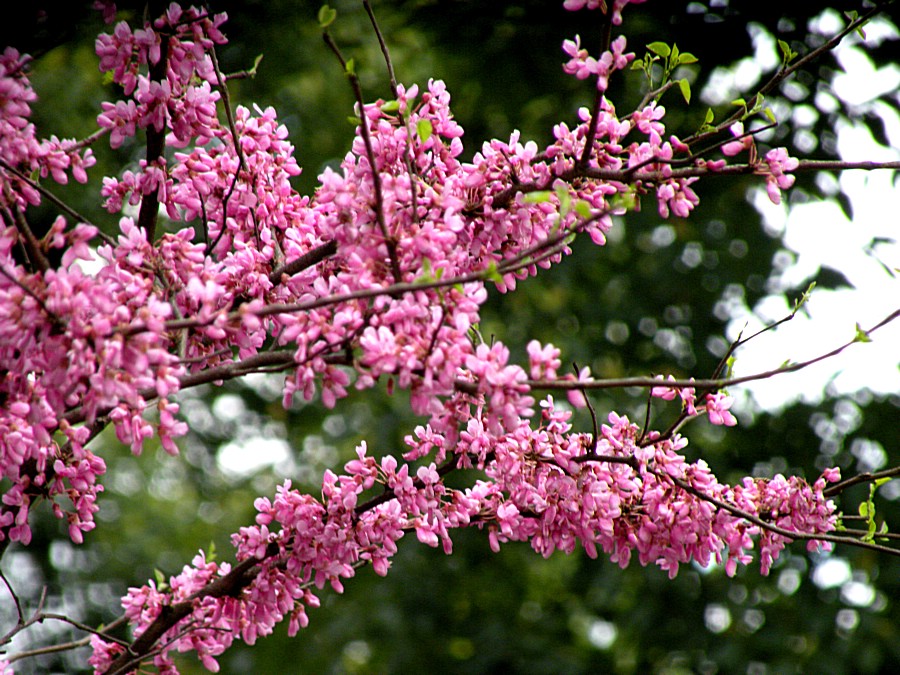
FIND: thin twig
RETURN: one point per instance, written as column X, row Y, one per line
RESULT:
column 774, row 529
column 867, row 477
column 65, row 208
column 719, row 383
column 389, row 240
column 584, row 160
column 787, row 70
column 235, row 141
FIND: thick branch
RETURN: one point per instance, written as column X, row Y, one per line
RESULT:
column 305, row 261
column 156, row 140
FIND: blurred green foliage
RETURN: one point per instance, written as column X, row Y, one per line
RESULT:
column 650, row 301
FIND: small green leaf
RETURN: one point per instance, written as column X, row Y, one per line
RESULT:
column 353, row 119
column 538, row 197
column 864, row 509
column 424, row 129
column 769, row 115
column 758, row 103
column 881, row 481
column 492, row 274
column 687, row 58
column 635, row 65
column 870, row 535
column 710, row 116
column 659, row 48
column 803, row 299
column 350, row 67
column 427, row 275
column 211, row 552
column 739, row 102
column 256, row 62
column 787, row 54
column 565, row 199
column 729, row 363
column 674, row 55
column 583, row 209
column 861, row 335
column 327, row 15
column 853, row 16
column 685, row 87
column 390, row 106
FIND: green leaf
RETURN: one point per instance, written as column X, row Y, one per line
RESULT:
column 492, row 274
column 787, row 54
column 424, row 129
column 710, row 116
column 390, row 106
column 864, row 509
column 350, row 67
column 861, row 335
column 427, row 275
column 758, row 103
column 881, row 481
column 256, row 62
column 674, row 55
column 803, row 299
column 327, row 15
column 853, row 16
column 769, row 115
column 685, row 87
column 659, row 48
column 729, row 364
column 739, row 102
column 583, row 209
column 537, row 197
column 687, row 58
column 872, row 527
column 565, row 199
column 353, row 119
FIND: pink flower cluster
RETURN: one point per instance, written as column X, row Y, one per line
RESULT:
column 717, row 406
column 775, row 166
column 414, row 235
column 583, row 66
column 183, row 101
column 602, row 5
column 546, row 485
column 20, row 148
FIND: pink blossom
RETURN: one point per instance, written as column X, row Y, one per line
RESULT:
column 717, row 406
column 742, row 143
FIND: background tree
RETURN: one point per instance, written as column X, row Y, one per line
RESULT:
column 476, row 609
